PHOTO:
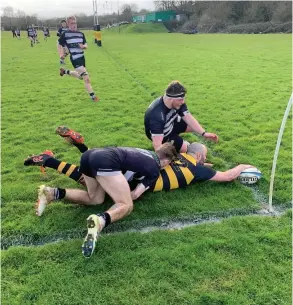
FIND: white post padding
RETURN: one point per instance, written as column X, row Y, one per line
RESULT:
column 286, row 114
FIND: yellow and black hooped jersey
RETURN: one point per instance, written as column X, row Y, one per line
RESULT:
column 181, row 173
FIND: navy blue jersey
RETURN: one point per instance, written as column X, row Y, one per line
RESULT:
column 61, row 30
column 159, row 119
column 105, row 161
column 30, row 32
column 71, row 40
column 46, row 31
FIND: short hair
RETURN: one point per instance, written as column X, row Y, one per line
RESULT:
column 63, row 20
column 167, row 151
column 70, row 18
column 195, row 148
column 175, row 88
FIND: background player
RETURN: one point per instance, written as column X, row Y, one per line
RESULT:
column 75, row 42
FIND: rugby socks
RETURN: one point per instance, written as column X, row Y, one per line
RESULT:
column 81, row 147
column 70, row 170
column 59, row 193
column 67, row 72
column 105, row 219
column 92, row 95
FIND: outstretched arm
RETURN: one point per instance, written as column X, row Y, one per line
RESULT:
column 230, row 174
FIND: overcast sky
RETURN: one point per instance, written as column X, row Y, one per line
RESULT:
column 63, row 8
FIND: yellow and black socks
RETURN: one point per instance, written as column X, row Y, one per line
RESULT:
column 70, row 170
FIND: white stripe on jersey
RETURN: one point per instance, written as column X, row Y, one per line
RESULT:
column 74, row 34
column 73, row 40
column 77, row 56
column 75, row 50
column 171, row 121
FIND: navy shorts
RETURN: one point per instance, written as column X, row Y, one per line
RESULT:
column 79, row 62
column 173, row 137
column 100, row 162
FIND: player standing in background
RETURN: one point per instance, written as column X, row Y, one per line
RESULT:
column 13, row 32
column 46, row 33
column 36, row 35
column 75, row 42
column 60, row 31
column 31, row 35
column 17, row 31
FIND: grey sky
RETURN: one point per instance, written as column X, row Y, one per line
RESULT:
column 63, row 8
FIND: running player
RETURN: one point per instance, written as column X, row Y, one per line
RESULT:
column 17, row 32
column 46, row 33
column 75, row 42
column 36, row 35
column 102, row 170
column 168, row 116
column 13, row 32
column 64, row 53
column 31, row 35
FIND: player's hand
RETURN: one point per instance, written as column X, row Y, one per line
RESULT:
column 211, row 136
column 82, row 46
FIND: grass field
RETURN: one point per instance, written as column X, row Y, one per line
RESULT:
column 238, row 87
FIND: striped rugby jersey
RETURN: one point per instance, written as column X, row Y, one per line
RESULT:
column 159, row 119
column 61, row 31
column 181, row 173
column 30, row 32
column 71, row 40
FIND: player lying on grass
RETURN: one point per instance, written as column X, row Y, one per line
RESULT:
column 188, row 169
column 102, row 172
column 168, row 116
column 75, row 42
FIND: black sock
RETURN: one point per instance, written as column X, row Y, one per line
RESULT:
column 52, row 163
column 81, row 147
column 67, row 71
column 59, row 193
column 92, row 94
column 70, row 170
column 106, row 217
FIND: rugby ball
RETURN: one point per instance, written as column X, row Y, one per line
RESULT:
column 250, row 175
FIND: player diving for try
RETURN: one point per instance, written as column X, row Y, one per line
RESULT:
column 190, row 167
column 102, row 171
column 76, row 44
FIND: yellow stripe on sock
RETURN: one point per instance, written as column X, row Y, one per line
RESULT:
column 61, row 166
column 71, row 169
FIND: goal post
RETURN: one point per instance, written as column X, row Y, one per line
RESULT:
column 286, row 114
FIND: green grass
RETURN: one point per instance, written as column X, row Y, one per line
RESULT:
column 240, row 261
column 140, row 28
column 238, row 86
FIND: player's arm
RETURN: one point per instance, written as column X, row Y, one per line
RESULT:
column 59, row 32
column 230, row 174
column 61, row 45
column 148, row 180
column 83, row 45
column 156, row 126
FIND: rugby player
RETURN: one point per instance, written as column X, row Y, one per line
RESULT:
column 17, row 31
column 75, row 42
column 168, row 116
column 62, row 53
column 46, row 33
column 190, row 167
column 102, row 170
column 31, row 35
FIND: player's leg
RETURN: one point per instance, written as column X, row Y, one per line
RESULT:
column 72, row 137
column 31, row 40
column 84, row 74
column 118, row 189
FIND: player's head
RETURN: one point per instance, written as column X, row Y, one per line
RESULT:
column 63, row 23
column 199, row 151
column 166, row 153
column 175, row 93
column 71, row 22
